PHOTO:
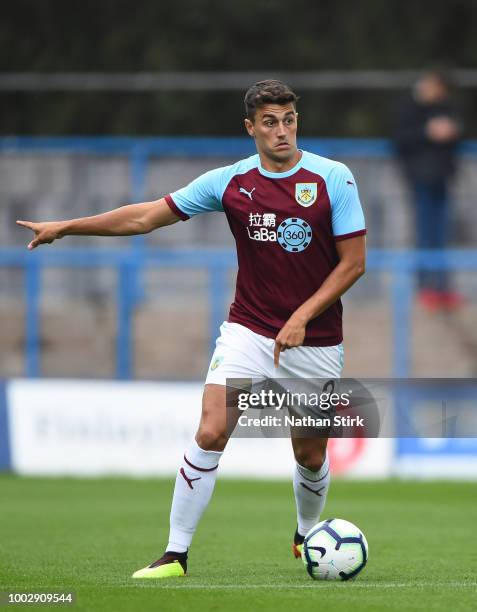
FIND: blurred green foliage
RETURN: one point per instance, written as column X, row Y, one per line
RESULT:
column 154, row 35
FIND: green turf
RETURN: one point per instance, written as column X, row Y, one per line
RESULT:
column 90, row 535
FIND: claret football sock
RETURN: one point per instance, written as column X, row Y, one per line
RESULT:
column 194, row 486
column 311, row 489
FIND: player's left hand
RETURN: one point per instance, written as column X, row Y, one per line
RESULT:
column 291, row 334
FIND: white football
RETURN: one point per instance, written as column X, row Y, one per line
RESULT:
column 334, row 550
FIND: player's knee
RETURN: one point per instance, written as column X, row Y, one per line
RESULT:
column 209, row 439
column 311, row 459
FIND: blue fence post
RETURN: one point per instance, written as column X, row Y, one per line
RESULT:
column 216, row 301
column 5, row 450
column 402, row 292
column 124, row 348
column 32, row 317
column 138, row 161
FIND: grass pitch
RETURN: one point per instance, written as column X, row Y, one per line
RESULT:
column 88, row 536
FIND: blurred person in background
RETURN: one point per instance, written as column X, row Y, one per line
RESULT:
column 427, row 132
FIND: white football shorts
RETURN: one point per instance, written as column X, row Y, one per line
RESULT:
column 241, row 353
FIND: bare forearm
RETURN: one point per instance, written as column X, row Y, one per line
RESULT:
column 124, row 221
column 337, row 283
column 294, row 331
column 352, row 258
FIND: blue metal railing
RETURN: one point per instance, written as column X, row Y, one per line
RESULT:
column 187, row 146
column 130, row 262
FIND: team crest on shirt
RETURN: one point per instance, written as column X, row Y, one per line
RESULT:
column 306, row 193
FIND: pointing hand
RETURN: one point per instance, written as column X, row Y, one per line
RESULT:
column 45, row 232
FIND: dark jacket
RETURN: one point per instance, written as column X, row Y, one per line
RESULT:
column 423, row 160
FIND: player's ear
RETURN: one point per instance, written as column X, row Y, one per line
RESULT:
column 249, row 127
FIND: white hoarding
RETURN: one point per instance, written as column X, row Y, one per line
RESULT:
column 76, row 427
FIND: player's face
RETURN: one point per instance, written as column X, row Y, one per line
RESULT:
column 274, row 129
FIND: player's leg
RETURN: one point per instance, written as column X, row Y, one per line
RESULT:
column 197, row 473
column 310, row 367
column 195, row 482
column 239, row 354
column 311, row 481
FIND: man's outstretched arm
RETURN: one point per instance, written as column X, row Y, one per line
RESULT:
column 124, row 221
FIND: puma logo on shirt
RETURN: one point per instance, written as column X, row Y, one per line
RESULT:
column 248, row 193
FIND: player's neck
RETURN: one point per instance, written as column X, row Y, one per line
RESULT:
column 272, row 165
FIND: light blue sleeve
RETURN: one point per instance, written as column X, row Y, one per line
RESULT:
column 203, row 194
column 346, row 211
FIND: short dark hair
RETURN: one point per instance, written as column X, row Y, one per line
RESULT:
column 267, row 92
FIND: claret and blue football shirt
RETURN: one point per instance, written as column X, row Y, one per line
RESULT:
column 285, row 225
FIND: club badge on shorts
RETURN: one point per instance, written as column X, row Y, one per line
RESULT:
column 216, row 362
column 306, row 193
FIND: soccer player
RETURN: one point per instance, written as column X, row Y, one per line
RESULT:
column 300, row 234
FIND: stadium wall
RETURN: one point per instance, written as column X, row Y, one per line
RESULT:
column 140, row 429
